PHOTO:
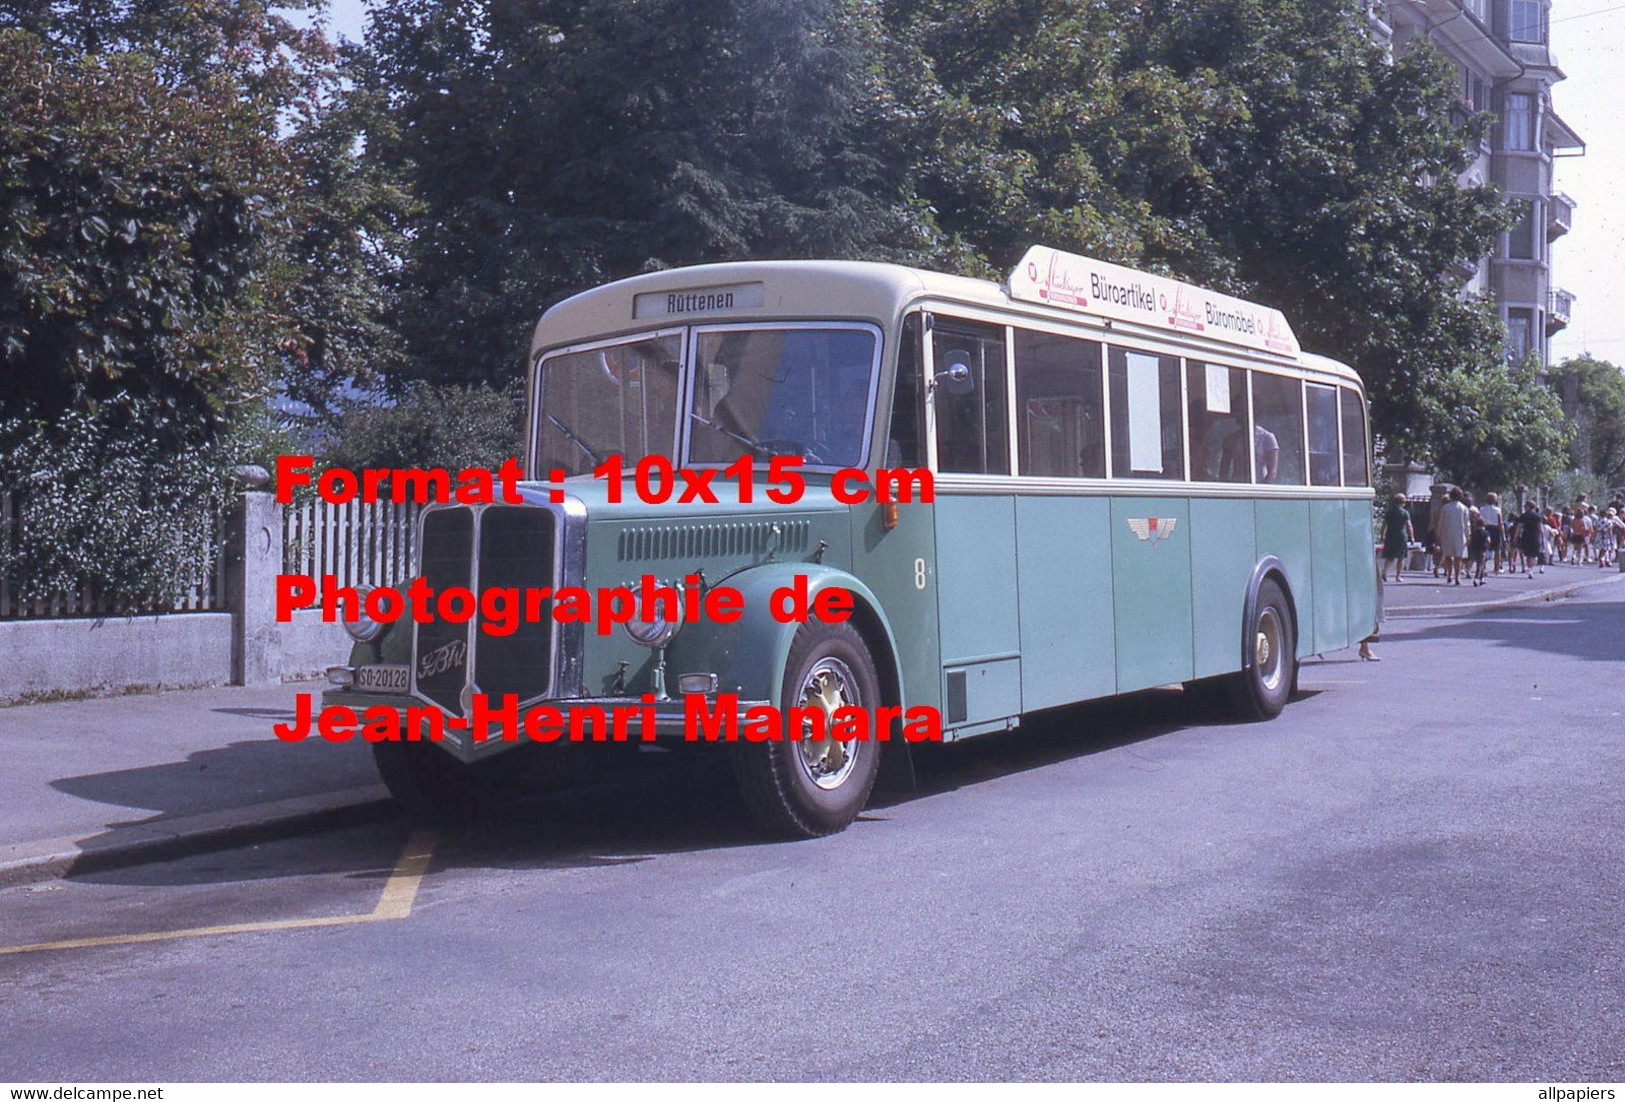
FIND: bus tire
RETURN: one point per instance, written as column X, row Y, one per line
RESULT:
column 808, row 788
column 431, row 785
column 1262, row 689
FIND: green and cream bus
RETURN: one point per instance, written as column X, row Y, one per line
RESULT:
column 1137, row 482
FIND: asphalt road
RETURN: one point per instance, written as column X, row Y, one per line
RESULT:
column 1414, row 873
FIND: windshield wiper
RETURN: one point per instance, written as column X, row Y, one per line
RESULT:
column 757, row 448
column 574, row 439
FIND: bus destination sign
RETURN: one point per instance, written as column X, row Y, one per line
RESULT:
column 698, row 300
column 1074, row 282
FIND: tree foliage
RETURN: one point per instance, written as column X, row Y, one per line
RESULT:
column 1497, row 429
column 441, row 426
column 557, row 144
column 91, row 513
column 1265, row 147
column 1593, row 396
column 180, row 220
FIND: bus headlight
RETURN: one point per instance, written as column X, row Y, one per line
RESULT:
column 364, row 629
column 651, row 630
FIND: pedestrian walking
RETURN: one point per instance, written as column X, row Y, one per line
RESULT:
column 1490, row 514
column 1478, row 544
column 1438, row 498
column 1609, row 530
column 1454, row 525
column 1397, row 537
column 1531, row 531
column 1579, row 530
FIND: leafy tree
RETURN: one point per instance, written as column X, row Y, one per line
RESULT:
column 1265, row 147
column 183, row 234
column 182, row 219
column 1593, row 396
column 556, row 144
column 440, row 426
column 1500, row 428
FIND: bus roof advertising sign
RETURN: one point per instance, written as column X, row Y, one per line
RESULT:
column 1073, row 282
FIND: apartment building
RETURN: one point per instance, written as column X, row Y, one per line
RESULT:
column 1502, row 52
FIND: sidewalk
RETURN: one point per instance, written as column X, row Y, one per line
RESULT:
column 92, row 783
column 1421, row 594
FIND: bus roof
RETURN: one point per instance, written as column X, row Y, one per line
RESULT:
column 866, row 291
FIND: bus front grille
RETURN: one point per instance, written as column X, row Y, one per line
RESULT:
column 508, row 547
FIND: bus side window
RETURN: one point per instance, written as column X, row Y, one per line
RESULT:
column 1218, row 422
column 905, row 445
column 1278, row 429
column 1356, row 461
column 1322, row 435
column 972, row 419
column 1148, row 430
column 1059, row 430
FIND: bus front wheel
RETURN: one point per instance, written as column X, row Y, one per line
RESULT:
column 808, row 786
column 1262, row 689
column 431, row 785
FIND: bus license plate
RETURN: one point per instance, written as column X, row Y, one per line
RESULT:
column 381, row 678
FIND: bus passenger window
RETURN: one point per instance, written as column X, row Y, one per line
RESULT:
column 1148, row 432
column 1356, row 461
column 1218, row 422
column 905, row 446
column 1059, row 430
column 972, row 419
column 1323, row 451
column 1278, row 429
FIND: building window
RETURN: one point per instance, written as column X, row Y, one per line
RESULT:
column 1527, row 21
column 1519, row 327
column 1522, row 241
column 1518, row 127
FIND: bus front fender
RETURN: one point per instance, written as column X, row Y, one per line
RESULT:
column 749, row 656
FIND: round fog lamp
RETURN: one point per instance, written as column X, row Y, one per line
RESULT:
column 364, row 629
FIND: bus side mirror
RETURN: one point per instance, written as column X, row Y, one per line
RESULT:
column 956, row 380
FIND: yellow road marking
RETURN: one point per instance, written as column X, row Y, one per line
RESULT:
column 400, row 892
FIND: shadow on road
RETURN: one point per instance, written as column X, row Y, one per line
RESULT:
column 633, row 807
column 1590, row 630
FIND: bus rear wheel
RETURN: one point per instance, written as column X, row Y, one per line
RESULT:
column 808, row 787
column 1262, row 689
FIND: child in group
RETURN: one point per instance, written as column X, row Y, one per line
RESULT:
column 1478, row 541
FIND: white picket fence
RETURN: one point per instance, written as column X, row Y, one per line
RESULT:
column 359, row 544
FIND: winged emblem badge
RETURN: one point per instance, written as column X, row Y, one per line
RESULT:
column 1147, row 527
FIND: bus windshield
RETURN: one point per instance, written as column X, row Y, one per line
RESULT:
column 803, row 391
column 619, row 399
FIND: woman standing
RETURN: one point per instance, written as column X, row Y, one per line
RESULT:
column 1453, row 528
column 1397, row 536
column 1531, row 529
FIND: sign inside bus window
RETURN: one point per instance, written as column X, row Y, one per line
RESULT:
column 1108, row 290
column 698, row 300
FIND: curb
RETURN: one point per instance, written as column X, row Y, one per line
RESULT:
column 1427, row 612
column 166, row 839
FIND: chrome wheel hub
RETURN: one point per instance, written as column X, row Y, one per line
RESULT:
column 830, row 684
column 1267, row 655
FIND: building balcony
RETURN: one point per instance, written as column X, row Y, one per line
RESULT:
column 1558, row 311
column 1559, row 215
